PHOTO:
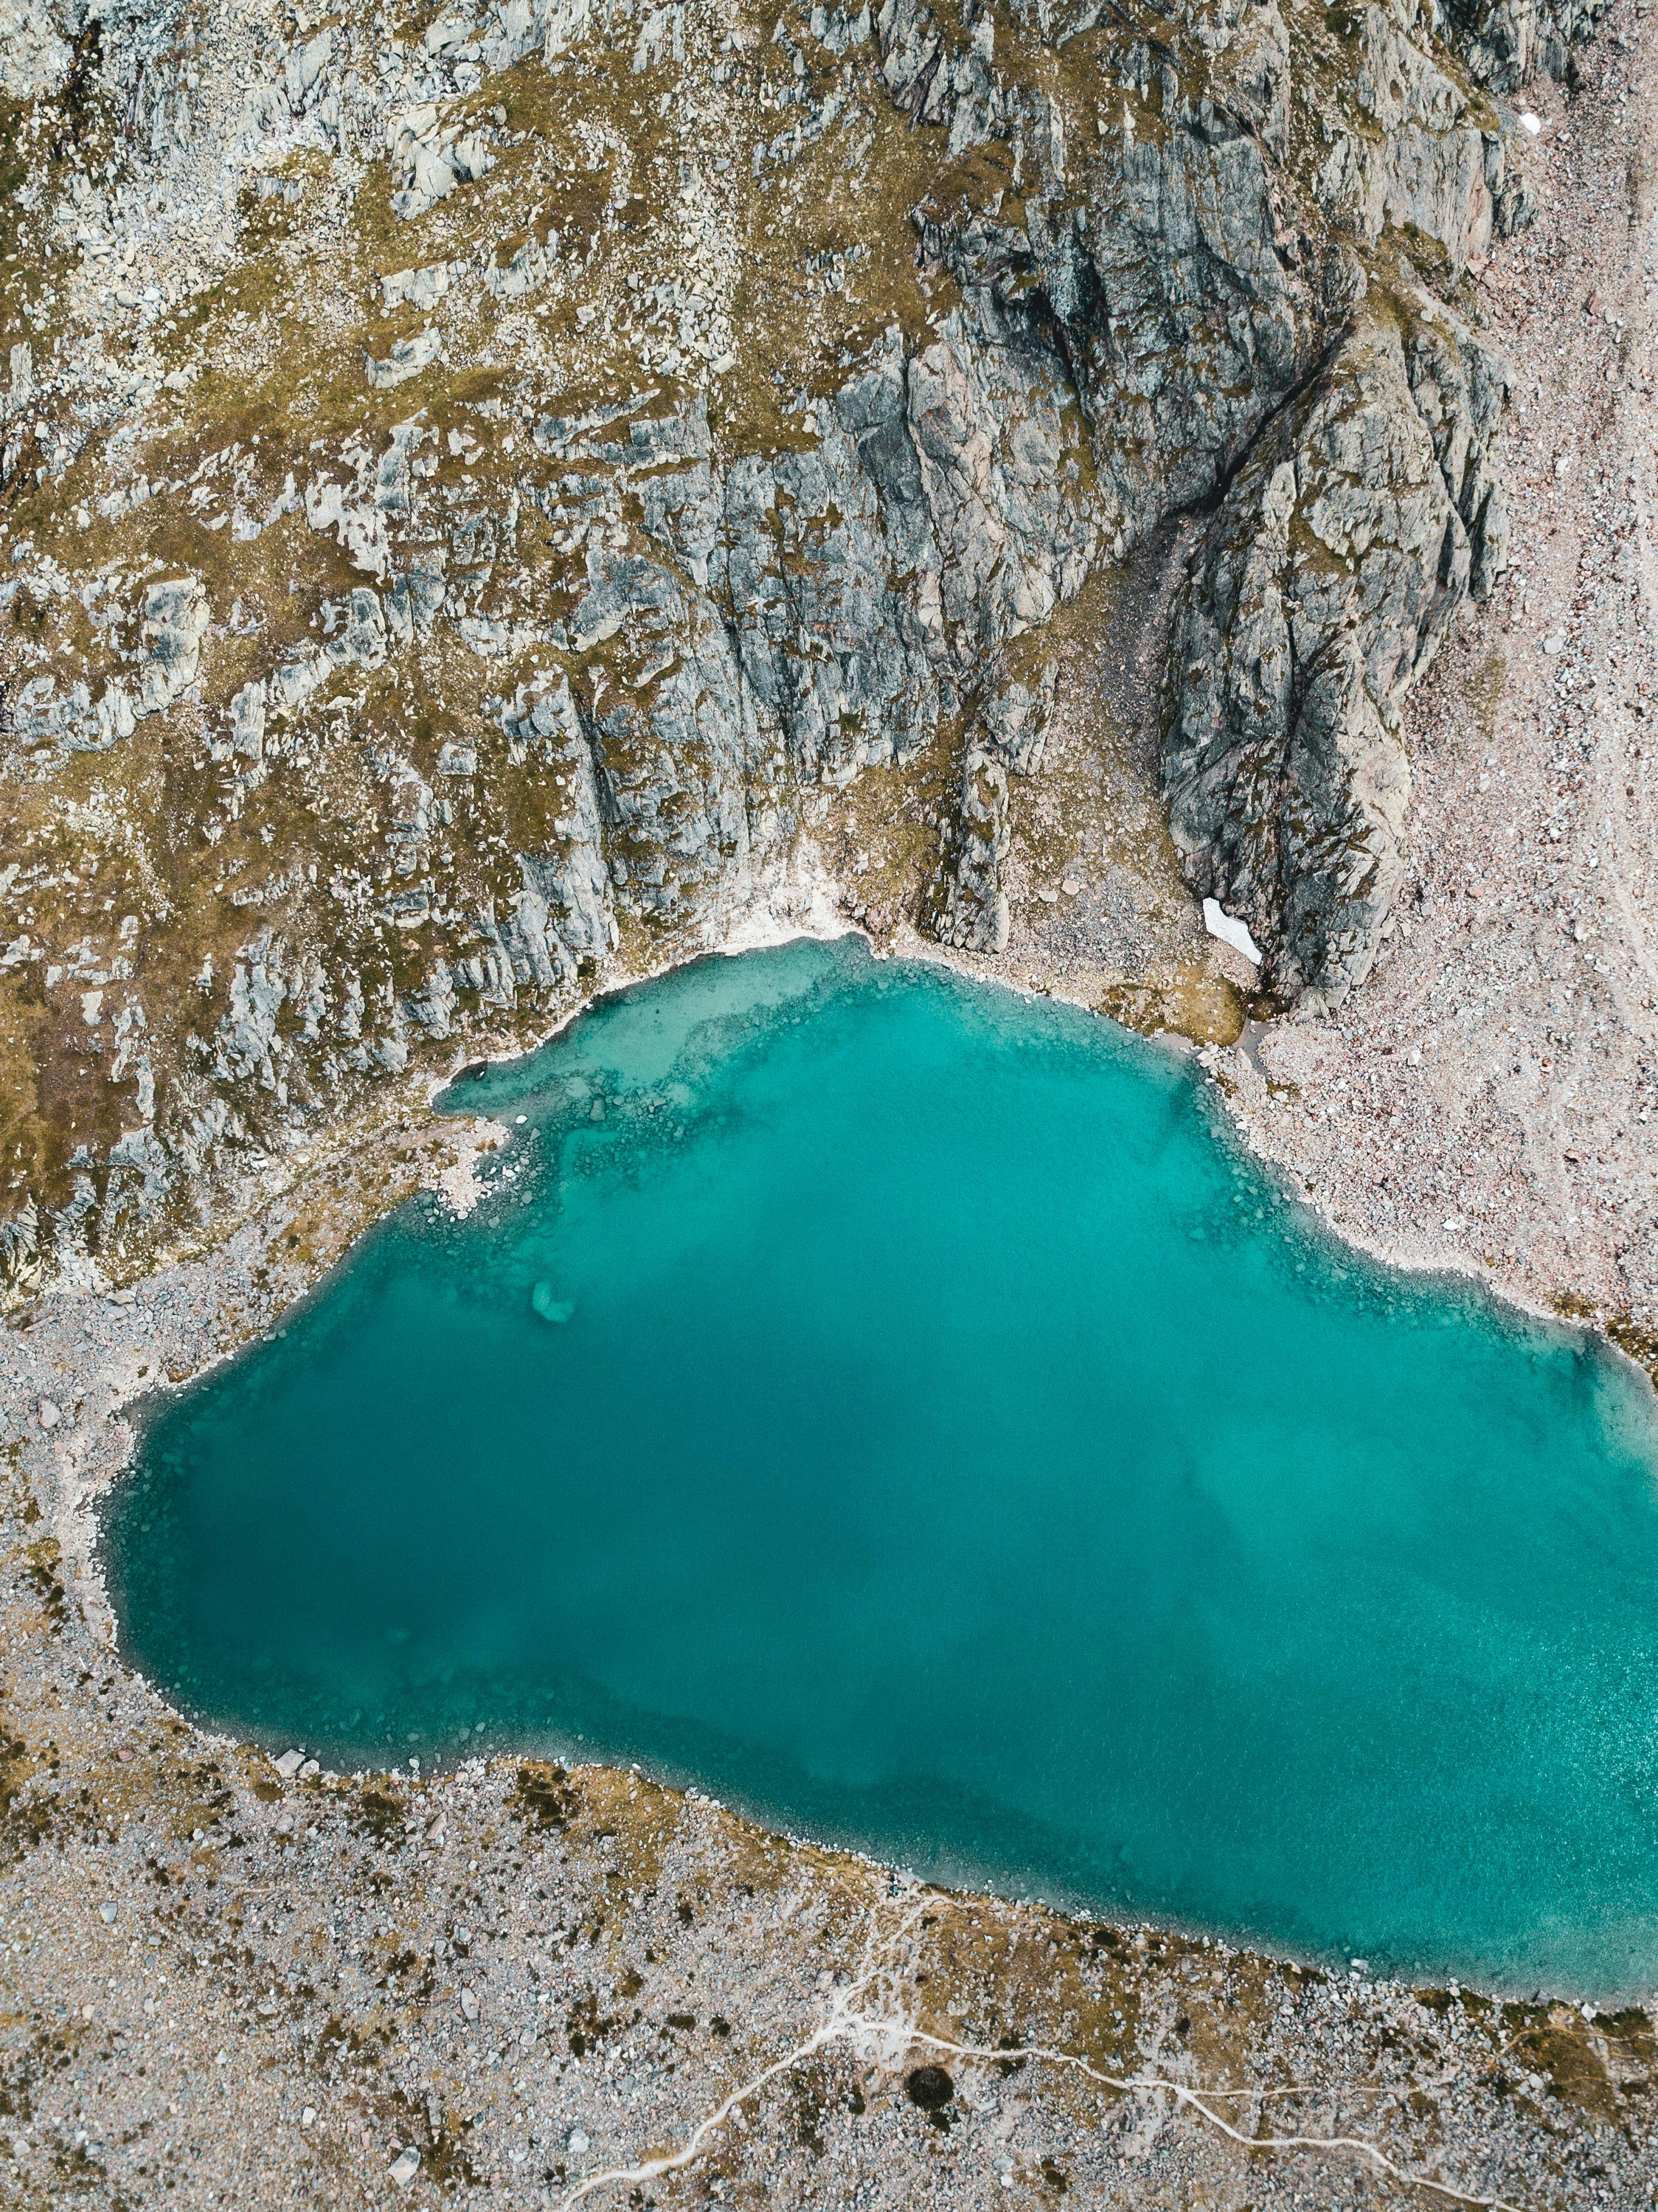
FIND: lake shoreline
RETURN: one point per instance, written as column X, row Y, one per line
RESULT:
column 967, row 1089
column 1544, row 2106
column 291, row 1861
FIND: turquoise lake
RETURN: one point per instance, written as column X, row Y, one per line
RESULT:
column 900, row 1407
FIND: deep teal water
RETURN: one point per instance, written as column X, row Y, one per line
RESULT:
column 899, row 1406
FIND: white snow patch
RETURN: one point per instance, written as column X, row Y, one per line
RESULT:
column 1230, row 930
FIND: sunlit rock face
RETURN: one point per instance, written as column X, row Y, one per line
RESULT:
column 481, row 495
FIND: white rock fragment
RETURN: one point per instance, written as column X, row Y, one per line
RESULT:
column 409, row 356
column 247, row 720
column 1230, row 930
column 108, row 1914
column 48, row 1415
column 445, row 33
column 432, row 166
column 288, row 1765
column 304, row 66
column 175, row 622
column 1530, row 124
column 404, row 2166
column 420, row 288
column 567, row 20
column 576, row 2142
column 469, row 2004
column 308, row 2117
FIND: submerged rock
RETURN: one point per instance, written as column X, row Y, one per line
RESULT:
column 550, row 1308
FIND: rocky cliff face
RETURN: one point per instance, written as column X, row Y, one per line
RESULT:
column 480, row 491
column 1360, row 519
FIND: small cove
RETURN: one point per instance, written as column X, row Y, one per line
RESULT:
column 901, row 1408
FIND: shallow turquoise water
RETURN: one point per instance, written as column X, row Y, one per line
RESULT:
column 897, row 1405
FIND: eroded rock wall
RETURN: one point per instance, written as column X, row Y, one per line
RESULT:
column 1320, row 589
column 477, row 497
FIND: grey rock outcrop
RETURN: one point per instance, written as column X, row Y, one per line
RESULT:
column 1316, row 596
column 175, row 622
column 840, row 601
column 466, row 712
column 1194, row 282
column 1504, row 42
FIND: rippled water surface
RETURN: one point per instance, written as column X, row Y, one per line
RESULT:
column 898, row 1406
